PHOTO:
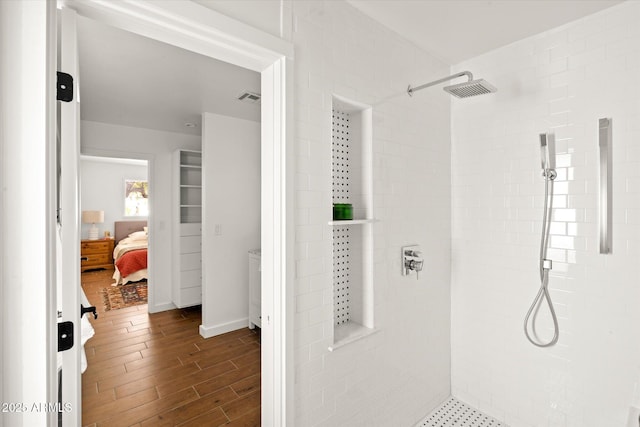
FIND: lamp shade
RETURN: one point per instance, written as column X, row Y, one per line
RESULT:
column 92, row 217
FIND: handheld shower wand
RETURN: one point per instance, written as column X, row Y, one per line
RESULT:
column 548, row 157
column 548, row 152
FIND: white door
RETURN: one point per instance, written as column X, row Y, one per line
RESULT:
column 68, row 257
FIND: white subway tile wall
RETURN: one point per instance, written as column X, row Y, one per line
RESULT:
column 562, row 81
column 397, row 376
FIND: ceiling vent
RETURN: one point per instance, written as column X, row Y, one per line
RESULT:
column 250, row 97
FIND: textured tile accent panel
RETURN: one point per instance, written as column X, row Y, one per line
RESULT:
column 341, row 275
column 340, row 164
column 340, row 172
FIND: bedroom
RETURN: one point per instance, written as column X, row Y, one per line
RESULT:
column 110, row 186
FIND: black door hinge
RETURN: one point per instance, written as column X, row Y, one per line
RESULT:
column 65, row 336
column 65, row 87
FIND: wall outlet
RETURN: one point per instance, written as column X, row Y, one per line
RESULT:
column 634, row 417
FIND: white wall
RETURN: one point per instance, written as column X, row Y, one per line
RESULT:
column 264, row 15
column 102, row 189
column 157, row 147
column 394, row 377
column 231, row 200
column 563, row 80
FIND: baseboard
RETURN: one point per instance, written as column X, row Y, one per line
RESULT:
column 223, row 328
column 157, row 308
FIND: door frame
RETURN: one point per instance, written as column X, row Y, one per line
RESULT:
column 193, row 27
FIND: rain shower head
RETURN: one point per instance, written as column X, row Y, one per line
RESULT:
column 460, row 90
column 470, row 88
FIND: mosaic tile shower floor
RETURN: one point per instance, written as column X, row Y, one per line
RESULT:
column 453, row 413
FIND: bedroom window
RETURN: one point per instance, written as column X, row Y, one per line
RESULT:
column 136, row 197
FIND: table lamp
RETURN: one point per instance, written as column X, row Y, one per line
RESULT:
column 93, row 217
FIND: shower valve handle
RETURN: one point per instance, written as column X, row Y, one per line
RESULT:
column 415, row 254
column 415, row 265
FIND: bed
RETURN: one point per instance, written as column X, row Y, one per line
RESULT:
column 130, row 253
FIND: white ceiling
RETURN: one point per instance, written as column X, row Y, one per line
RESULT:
column 456, row 30
column 130, row 80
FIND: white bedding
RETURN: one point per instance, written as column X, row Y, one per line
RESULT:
column 133, row 277
column 129, row 244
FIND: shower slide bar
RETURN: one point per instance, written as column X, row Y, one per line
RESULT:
column 605, row 220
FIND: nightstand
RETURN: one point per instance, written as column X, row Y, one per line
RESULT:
column 96, row 254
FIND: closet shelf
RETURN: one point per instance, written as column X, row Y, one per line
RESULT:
column 190, row 206
column 190, row 186
column 191, row 166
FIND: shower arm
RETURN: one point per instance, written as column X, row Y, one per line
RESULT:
column 410, row 89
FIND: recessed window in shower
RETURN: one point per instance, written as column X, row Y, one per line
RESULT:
column 352, row 238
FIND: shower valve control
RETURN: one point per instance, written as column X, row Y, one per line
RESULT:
column 411, row 260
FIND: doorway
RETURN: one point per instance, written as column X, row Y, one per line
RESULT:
column 144, row 98
column 117, row 190
column 198, row 29
column 107, row 131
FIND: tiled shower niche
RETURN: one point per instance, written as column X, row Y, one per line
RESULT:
column 352, row 240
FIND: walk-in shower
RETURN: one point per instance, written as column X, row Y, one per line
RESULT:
column 460, row 90
column 548, row 155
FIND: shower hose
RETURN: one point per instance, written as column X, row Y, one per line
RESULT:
column 545, row 266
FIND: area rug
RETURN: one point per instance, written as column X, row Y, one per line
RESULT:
column 122, row 296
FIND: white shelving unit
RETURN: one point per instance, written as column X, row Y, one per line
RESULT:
column 352, row 239
column 187, row 246
column 189, row 178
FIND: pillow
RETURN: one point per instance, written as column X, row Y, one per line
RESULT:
column 145, row 230
column 138, row 235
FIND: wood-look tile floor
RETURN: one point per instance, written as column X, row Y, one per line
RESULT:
column 156, row 370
